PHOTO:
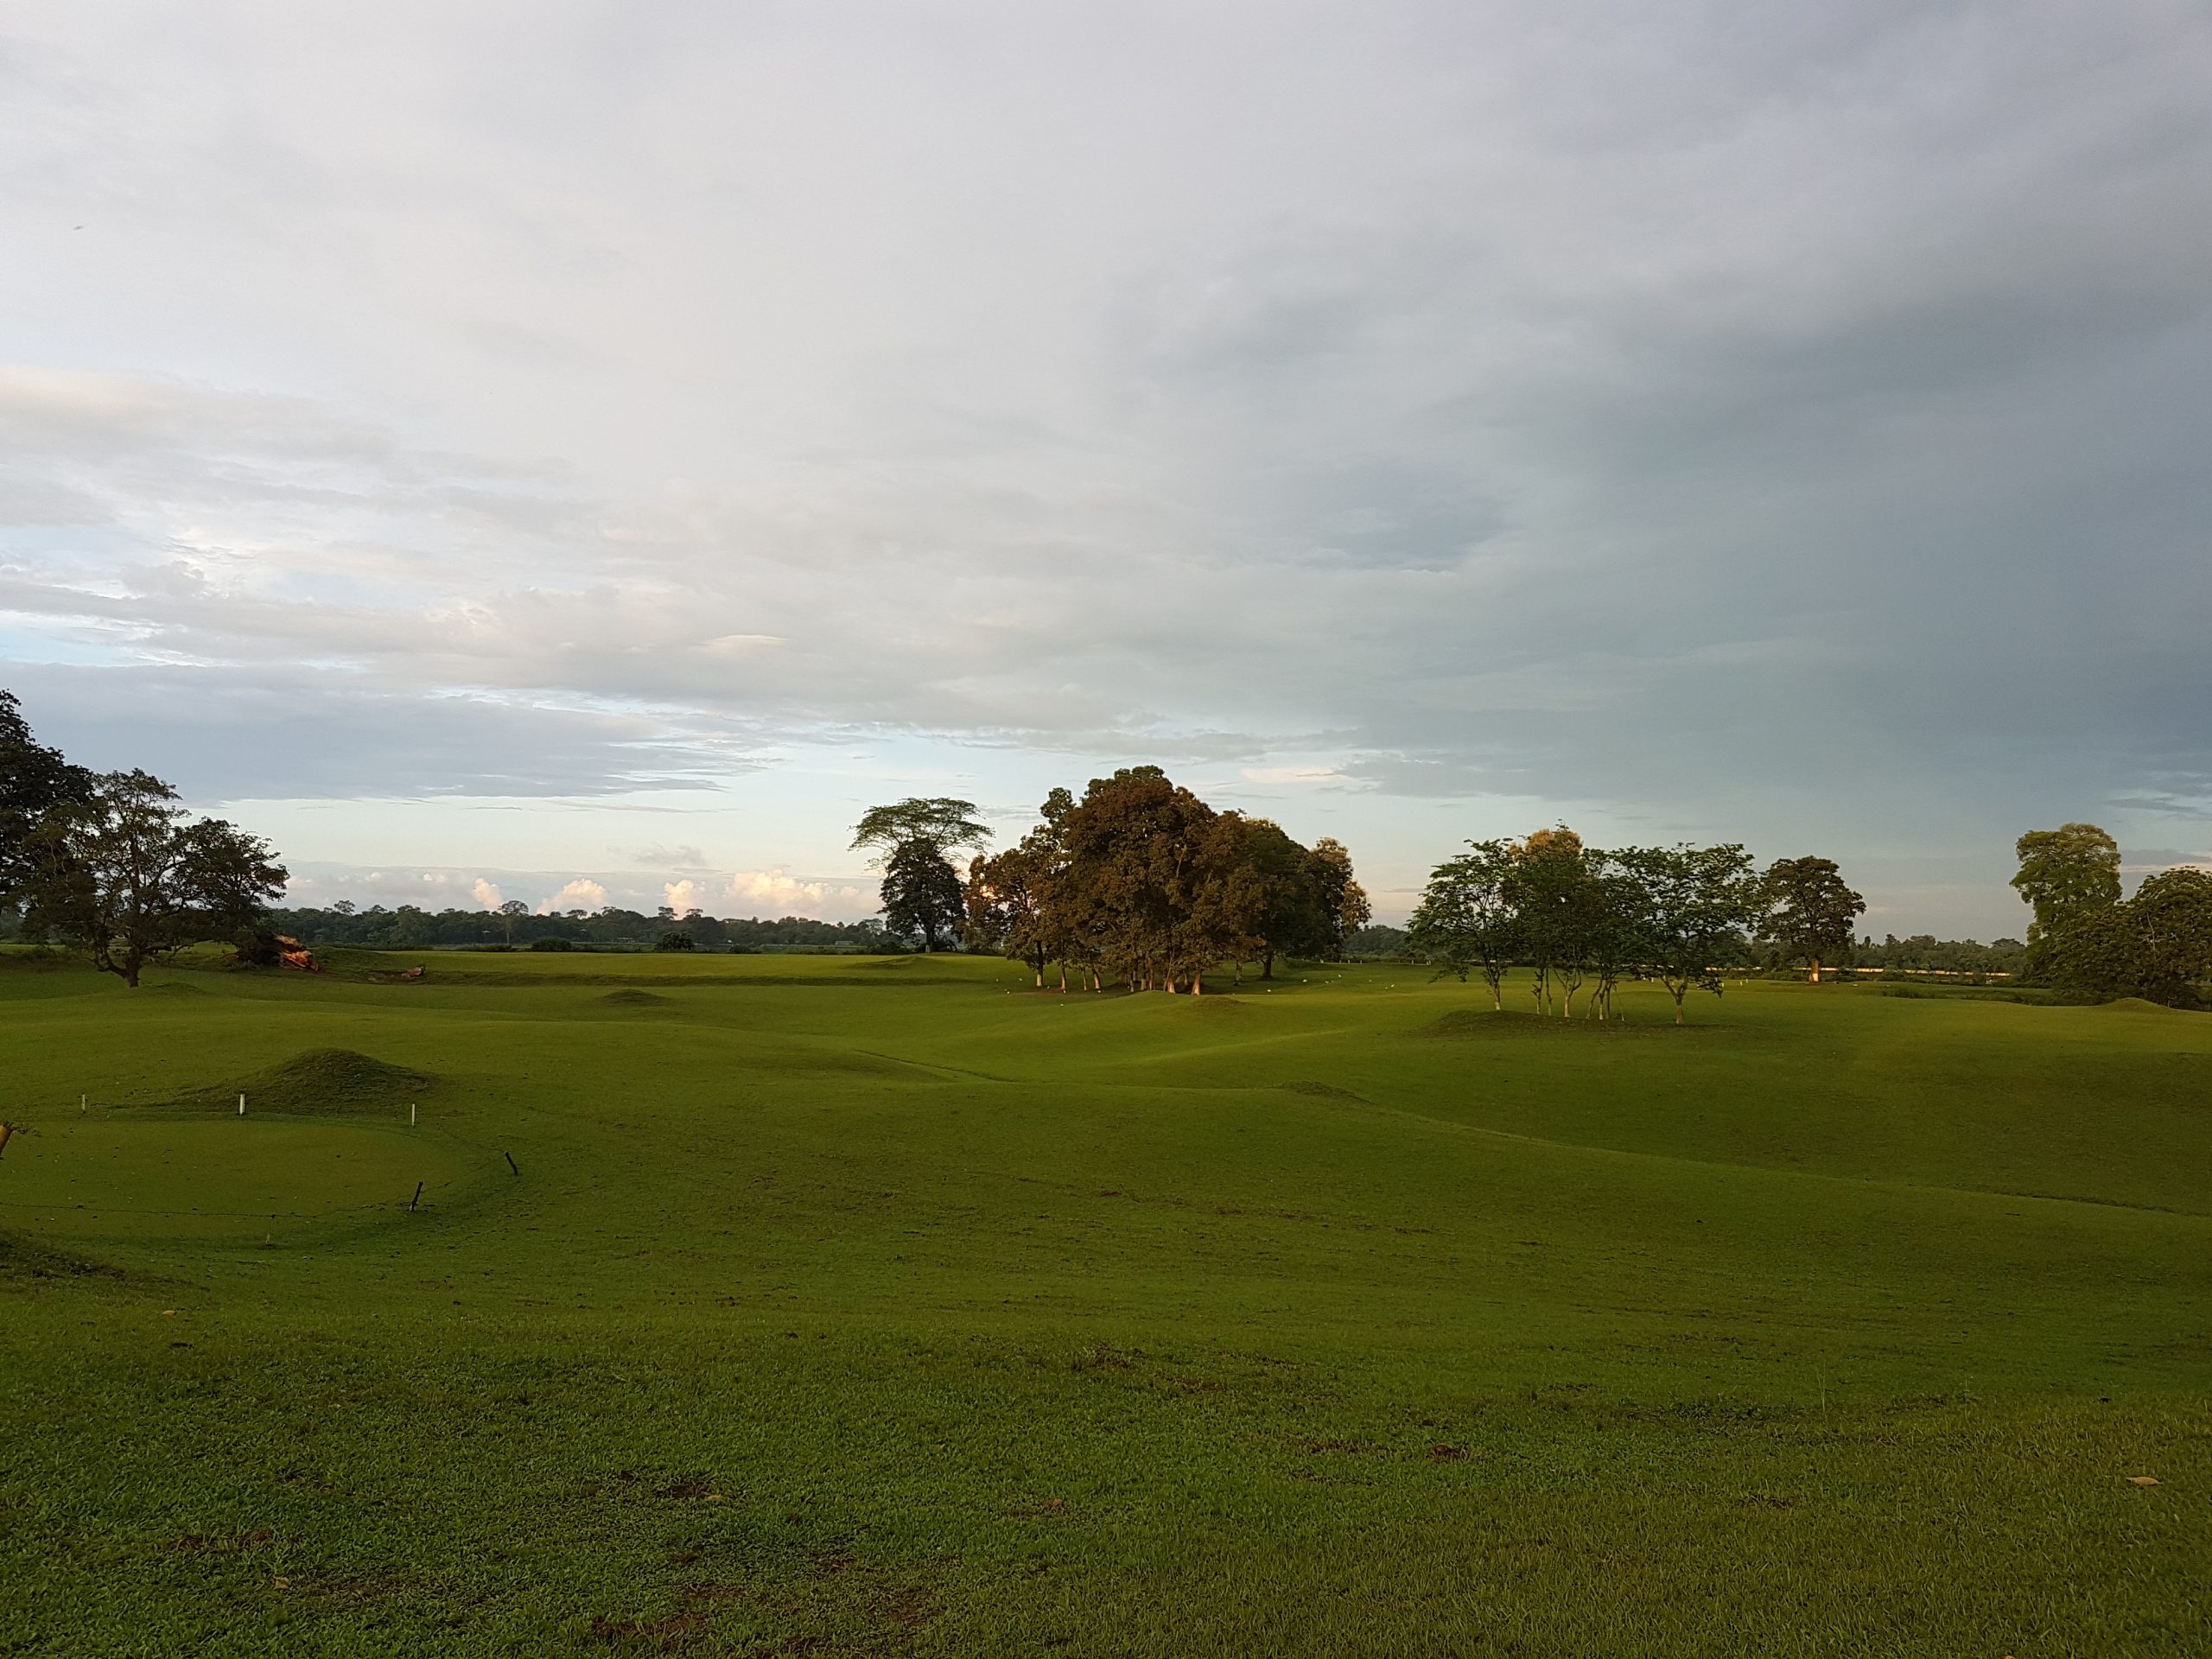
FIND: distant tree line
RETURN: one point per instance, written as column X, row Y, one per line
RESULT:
column 1579, row 917
column 1138, row 882
column 2086, row 938
column 110, row 862
column 410, row 927
column 1923, row 953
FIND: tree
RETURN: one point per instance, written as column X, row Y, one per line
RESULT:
column 940, row 821
column 2066, row 870
column 1547, row 884
column 922, row 896
column 1342, row 902
column 125, row 876
column 1467, row 919
column 509, row 911
column 2171, row 914
column 1158, row 885
column 2156, row 945
column 914, row 842
column 34, row 780
column 1696, row 904
column 1810, row 912
column 2065, row 874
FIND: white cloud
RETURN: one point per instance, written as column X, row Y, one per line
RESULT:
column 685, row 896
column 486, row 894
column 580, row 894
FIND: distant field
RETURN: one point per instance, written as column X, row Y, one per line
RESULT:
column 882, row 1306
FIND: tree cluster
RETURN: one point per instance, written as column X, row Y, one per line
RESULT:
column 1141, row 881
column 2087, row 938
column 111, row 863
column 1577, row 916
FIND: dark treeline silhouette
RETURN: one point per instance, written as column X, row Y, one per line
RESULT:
column 408, row 927
column 1923, row 953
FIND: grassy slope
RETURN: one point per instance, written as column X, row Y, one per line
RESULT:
column 855, row 1306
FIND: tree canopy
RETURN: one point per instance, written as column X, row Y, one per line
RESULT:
column 1577, row 914
column 1810, row 913
column 2065, row 873
column 1140, row 880
column 126, row 874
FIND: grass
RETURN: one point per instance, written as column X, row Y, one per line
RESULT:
column 842, row 1305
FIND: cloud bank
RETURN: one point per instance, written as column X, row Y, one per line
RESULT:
column 1783, row 426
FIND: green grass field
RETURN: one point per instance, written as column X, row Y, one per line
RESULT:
column 848, row 1305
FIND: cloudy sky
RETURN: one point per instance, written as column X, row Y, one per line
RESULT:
column 498, row 447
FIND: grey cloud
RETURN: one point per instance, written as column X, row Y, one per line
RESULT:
column 1779, row 425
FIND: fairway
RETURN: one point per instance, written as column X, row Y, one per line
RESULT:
column 791, row 1305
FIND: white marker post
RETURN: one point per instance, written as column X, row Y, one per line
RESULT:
column 241, row 1105
column 411, row 1114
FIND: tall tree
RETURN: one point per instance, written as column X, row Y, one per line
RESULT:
column 1810, row 912
column 126, row 876
column 33, row 780
column 2172, row 917
column 922, row 895
column 1697, row 904
column 913, row 840
column 1342, row 902
column 2066, row 875
column 1467, row 920
column 1548, row 885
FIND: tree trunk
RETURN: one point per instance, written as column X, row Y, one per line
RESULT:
column 1063, row 979
column 1816, row 971
column 1199, row 983
column 1678, row 1004
column 1268, row 965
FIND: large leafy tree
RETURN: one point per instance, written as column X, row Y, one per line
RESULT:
column 1696, row 904
column 1810, row 912
column 2172, row 917
column 1158, row 884
column 2067, row 875
column 922, row 895
column 126, row 874
column 1015, row 898
column 34, row 780
column 1467, row 920
column 2065, row 871
column 1547, row 883
column 914, row 842
column 2158, row 945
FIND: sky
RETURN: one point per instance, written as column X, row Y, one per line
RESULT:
column 566, row 451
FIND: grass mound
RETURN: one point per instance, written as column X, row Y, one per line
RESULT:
column 637, row 999
column 319, row 1080
column 1463, row 1022
column 1325, row 1091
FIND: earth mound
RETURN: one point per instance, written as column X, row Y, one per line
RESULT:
column 319, row 1080
column 1460, row 1022
column 1325, row 1091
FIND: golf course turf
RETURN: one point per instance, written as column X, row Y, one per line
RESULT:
column 827, row 1305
